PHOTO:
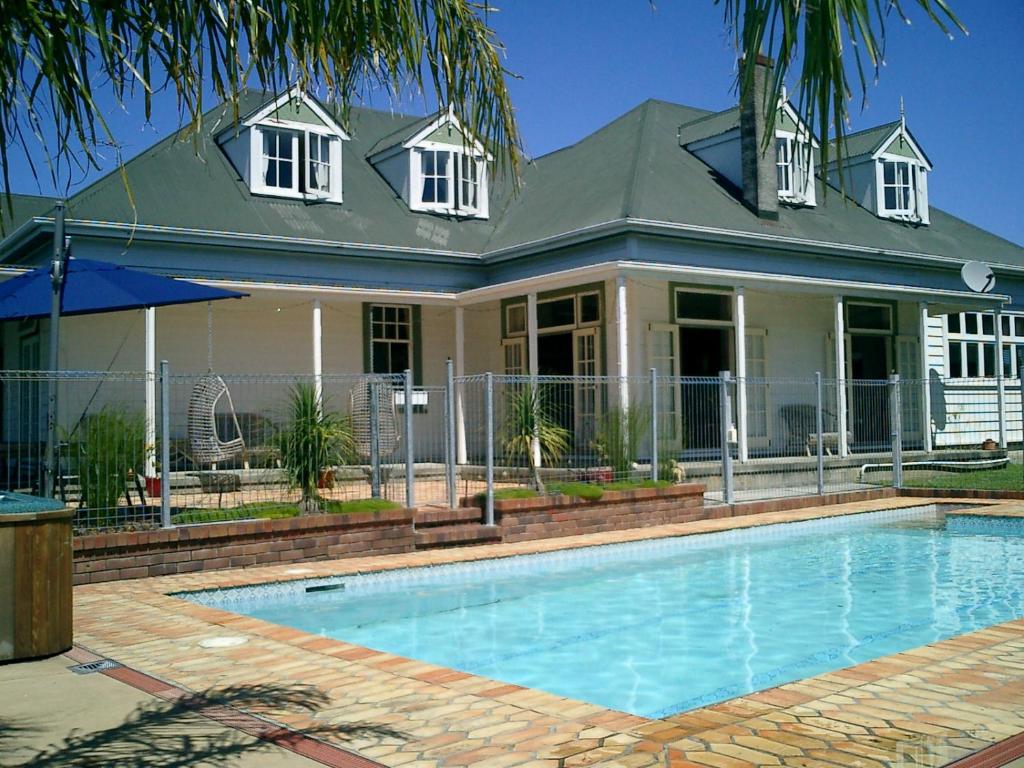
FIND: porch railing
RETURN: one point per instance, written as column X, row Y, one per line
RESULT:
column 128, row 454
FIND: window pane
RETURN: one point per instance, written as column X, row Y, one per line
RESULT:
column 870, row 317
column 1007, row 326
column 553, row 314
column 971, row 323
column 953, row 321
column 515, row 319
column 987, row 325
column 284, row 175
column 955, row 360
column 442, row 190
column 381, row 358
column 1018, row 326
column 973, row 361
column 429, row 192
column 590, row 308
column 890, row 198
column 989, row 358
column 270, row 177
column 284, row 146
column 428, row 163
column 889, row 172
column 442, row 163
column 399, row 357
column 703, row 306
column 1008, row 360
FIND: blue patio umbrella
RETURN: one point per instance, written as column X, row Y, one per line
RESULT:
column 92, row 287
column 71, row 286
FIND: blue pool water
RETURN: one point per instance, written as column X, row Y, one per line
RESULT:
column 658, row 627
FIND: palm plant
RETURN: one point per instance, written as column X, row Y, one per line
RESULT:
column 620, row 432
column 62, row 57
column 313, row 440
column 530, row 427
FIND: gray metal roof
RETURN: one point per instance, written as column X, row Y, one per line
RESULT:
column 22, row 208
column 631, row 169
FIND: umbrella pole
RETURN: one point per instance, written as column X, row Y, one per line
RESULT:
column 57, row 274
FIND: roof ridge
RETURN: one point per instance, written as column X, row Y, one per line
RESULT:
column 706, row 117
column 628, row 198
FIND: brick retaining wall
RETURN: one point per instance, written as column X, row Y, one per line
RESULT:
column 104, row 557
column 547, row 517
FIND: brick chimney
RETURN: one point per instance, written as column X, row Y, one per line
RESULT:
column 760, row 179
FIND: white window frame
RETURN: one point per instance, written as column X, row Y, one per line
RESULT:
column 409, row 341
column 575, row 314
column 916, row 181
column 454, row 205
column 974, row 343
column 580, row 322
column 300, row 134
column 784, row 166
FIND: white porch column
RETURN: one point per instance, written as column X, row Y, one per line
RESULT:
column 622, row 339
column 1000, row 384
column 318, row 353
column 926, row 390
column 531, row 333
column 840, row 334
column 460, row 371
column 149, row 468
column 534, row 360
column 740, row 318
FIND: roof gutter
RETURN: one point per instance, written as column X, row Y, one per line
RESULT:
column 719, row 236
column 151, row 232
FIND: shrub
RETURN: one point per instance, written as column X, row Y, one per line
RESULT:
column 585, row 491
column 619, row 434
column 530, row 416
column 109, row 446
column 358, row 505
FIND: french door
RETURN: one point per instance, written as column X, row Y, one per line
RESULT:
column 585, row 363
column 758, row 389
column 662, row 350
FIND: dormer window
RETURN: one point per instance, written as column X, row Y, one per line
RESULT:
column 794, row 170
column 291, row 147
column 900, row 188
column 436, row 166
column 449, row 181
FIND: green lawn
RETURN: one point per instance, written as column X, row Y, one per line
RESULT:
column 1009, row 478
column 269, row 510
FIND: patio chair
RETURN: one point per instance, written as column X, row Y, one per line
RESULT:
column 207, row 446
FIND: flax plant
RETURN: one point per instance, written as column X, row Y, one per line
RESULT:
column 530, row 421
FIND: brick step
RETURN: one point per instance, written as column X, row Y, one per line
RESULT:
column 428, row 518
column 457, row 535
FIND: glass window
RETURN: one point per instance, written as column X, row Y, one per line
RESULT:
column 1007, row 325
column 953, row 323
column 988, row 326
column 973, row 359
column 869, row 317
column 1008, row 360
column 988, row 359
column 278, row 159
column 390, row 338
column 515, row 319
column 319, row 175
column 971, row 323
column 469, row 183
column 693, row 305
column 898, row 186
column 784, row 165
column 434, row 168
column 590, row 308
column 556, row 313
column 956, row 359
column 1018, row 326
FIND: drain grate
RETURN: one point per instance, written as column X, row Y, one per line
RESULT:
column 94, row 666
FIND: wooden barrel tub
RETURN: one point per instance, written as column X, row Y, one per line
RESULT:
column 35, row 577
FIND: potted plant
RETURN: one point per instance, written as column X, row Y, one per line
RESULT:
column 529, row 421
column 312, row 442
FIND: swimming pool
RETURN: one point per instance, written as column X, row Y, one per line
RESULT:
column 661, row 626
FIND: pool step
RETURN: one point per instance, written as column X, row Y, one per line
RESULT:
column 457, row 535
column 431, row 518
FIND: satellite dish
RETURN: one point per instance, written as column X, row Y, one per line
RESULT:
column 978, row 276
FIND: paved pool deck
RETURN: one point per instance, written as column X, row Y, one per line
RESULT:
column 926, row 706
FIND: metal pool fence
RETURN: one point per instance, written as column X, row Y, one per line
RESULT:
column 137, row 450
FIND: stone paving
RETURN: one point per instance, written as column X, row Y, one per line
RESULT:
column 927, row 706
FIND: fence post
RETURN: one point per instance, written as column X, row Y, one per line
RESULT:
column 165, row 445
column 895, row 422
column 820, row 427
column 449, row 447
column 410, row 462
column 654, row 425
column 489, row 433
column 725, row 417
column 374, row 439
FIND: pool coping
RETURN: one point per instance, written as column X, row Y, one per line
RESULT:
column 145, row 626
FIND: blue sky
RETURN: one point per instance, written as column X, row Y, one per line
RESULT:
column 583, row 64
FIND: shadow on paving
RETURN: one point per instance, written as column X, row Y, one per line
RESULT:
column 171, row 733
